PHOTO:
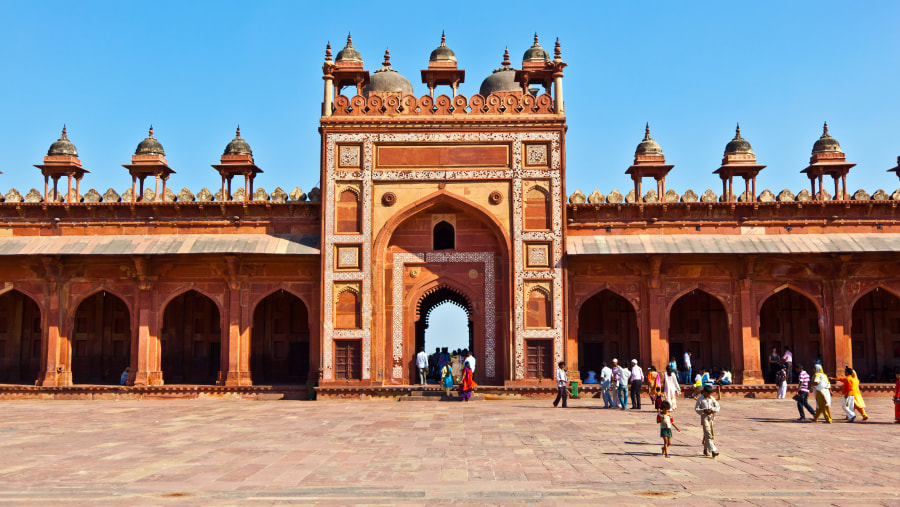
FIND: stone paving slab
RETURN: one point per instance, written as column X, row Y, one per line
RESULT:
column 220, row 452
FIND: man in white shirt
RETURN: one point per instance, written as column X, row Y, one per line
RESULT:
column 562, row 384
column 422, row 365
column 788, row 360
column 687, row 368
column 605, row 380
column 470, row 359
column 637, row 379
column 621, row 376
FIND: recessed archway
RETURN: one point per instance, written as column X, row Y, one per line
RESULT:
column 20, row 338
column 279, row 341
column 875, row 335
column 439, row 296
column 191, row 340
column 698, row 323
column 607, row 329
column 789, row 319
column 101, row 340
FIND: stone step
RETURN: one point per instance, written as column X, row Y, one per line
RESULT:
column 442, row 397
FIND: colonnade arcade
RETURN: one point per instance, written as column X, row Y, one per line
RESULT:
column 100, row 334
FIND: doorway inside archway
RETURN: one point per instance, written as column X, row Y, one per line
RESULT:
column 101, row 340
column 444, row 321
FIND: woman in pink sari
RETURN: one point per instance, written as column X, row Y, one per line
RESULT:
column 670, row 388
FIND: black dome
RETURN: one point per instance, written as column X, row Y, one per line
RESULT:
column 738, row 145
column 536, row 53
column 648, row 146
column 502, row 79
column 150, row 146
column 442, row 53
column 826, row 143
column 387, row 79
column 62, row 147
column 238, row 146
column 349, row 53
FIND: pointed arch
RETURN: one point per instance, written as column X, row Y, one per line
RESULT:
column 280, row 339
column 537, row 212
column 191, row 338
column 875, row 334
column 607, row 328
column 20, row 337
column 789, row 318
column 698, row 322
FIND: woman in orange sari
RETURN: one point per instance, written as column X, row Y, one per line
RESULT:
column 851, row 391
column 468, row 385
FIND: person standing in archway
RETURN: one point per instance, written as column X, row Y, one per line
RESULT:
column 422, row 365
column 468, row 385
column 470, row 360
column 788, row 360
column 637, row 380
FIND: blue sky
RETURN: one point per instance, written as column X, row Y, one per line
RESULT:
column 692, row 69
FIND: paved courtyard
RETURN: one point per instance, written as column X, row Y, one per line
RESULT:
column 166, row 452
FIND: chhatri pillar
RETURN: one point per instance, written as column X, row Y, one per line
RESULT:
column 649, row 162
column 828, row 160
column 442, row 69
column 237, row 160
column 739, row 160
column 149, row 159
column 62, row 160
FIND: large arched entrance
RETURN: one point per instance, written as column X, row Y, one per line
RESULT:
column 698, row 323
column 432, row 299
column 875, row 335
column 191, row 340
column 101, row 340
column 20, row 338
column 279, row 341
column 789, row 319
column 607, row 329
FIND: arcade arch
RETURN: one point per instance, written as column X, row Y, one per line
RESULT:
column 875, row 335
column 789, row 319
column 100, row 339
column 279, row 340
column 607, row 329
column 698, row 323
column 191, row 340
column 20, row 338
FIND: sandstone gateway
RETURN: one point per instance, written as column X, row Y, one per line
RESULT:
column 427, row 200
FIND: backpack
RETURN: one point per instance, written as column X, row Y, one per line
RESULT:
column 779, row 377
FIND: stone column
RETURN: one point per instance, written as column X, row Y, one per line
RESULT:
column 329, row 97
column 751, row 371
column 558, row 105
column 55, row 354
column 235, row 369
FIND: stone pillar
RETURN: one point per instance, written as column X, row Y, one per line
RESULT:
column 235, row 369
column 329, row 97
column 558, row 104
column 145, row 367
column 751, row 371
column 835, row 328
column 55, row 353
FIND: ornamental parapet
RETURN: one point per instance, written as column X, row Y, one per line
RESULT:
column 92, row 196
column 399, row 104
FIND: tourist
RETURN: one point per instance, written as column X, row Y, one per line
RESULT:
column 774, row 363
column 591, row 378
column 446, row 378
column 853, row 399
column 687, row 368
column 670, row 387
column 788, row 361
column 706, row 379
column 725, row 379
column 467, row 385
column 823, row 395
column 470, row 359
column 434, row 370
column 456, row 367
column 605, row 385
column 897, row 396
column 781, row 382
column 123, row 378
column 637, row 379
column 620, row 375
column 562, row 384
column 707, row 407
column 666, row 423
column 422, row 365
column 673, row 364
column 653, row 388
column 802, row 396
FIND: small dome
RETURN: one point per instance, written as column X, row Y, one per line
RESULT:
column 826, row 143
column 442, row 53
column 536, row 53
column 738, row 145
column 502, row 80
column 238, row 146
column 349, row 53
column 648, row 146
column 387, row 79
column 62, row 147
column 150, row 146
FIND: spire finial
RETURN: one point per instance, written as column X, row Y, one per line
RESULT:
column 349, row 40
column 505, row 61
column 825, row 129
column 443, row 39
column 238, row 132
column 535, row 39
column 557, row 51
column 64, row 132
column 737, row 131
column 647, row 132
column 387, row 58
column 151, row 131
column 328, row 52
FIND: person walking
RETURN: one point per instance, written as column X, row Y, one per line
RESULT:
column 781, row 382
column 653, row 386
column 687, row 379
column 707, row 407
column 562, row 384
column 897, row 396
column 467, row 386
column 666, row 423
column 787, row 360
column 606, row 385
column 470, row 359
column 853, row 399
column 823, row 395
column 670, row 387
column 446, row 378
column 802, row 396
column 621, row 378
column 422, row 365
column 637, row 380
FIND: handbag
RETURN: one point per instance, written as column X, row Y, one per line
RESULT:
column 796, row 397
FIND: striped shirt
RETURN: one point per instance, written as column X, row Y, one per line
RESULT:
column 803, row 381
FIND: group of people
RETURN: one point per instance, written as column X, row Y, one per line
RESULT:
column 852, row 401
column 452, row 369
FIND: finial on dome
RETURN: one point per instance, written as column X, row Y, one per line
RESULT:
column 647, row 130
column 151, row 131
column 737, row 132
column 238, row 131
column 825, row 129
column 387, row 58
column 506, row 61
column 443, row 39
column 557, row 51
column 328, row 52
column 349, row 39
column 535, row 38
column 64, row 132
